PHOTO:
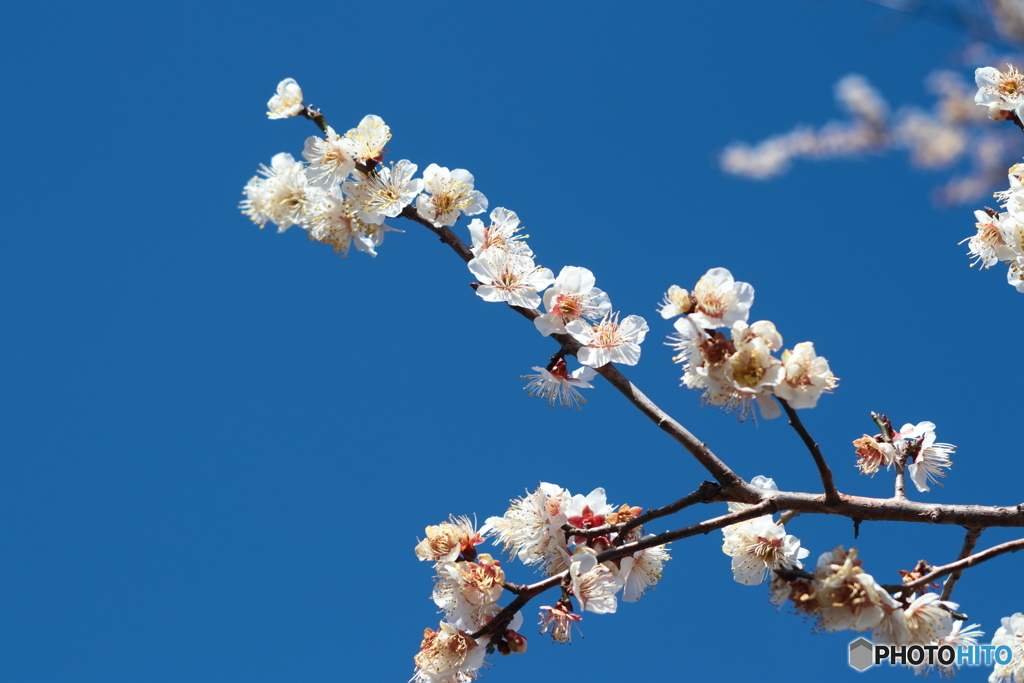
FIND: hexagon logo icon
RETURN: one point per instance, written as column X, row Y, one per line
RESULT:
column 862, row 654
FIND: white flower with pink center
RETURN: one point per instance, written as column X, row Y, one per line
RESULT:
column 500, row 234
column 807, row 376
column 516, row 280
column 572, row 297
column 929, row 459
column 559, row 385
column 609, row 341
column 719, row 301
column 593, row 584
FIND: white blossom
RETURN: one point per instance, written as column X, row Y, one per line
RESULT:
column 807, row 376
column 451, row 194
column 642, row 571
column 448, row 655
column 677, row 301
column 287, row 102
column 365, row 142
column 593, row 584
column 329, row 162
column 384, row 193
column 282, row 196
column 719, row 300
column 758, row 546
column 1010, row 634
column 1001, row 92
column 500, row 234
column 560, row 386
column 608, row 340
column 847, row 598
column 532, row 528
column 573, row 296
column 513, row 279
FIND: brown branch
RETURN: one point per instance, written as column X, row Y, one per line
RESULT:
column 969, row 561
column 831, row 494
column 970, row 540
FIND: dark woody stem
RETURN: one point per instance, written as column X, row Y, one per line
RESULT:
column 831, row 494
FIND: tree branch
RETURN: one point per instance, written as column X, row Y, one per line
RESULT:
column 970, row 540
column 970, row 561
column 831, row 494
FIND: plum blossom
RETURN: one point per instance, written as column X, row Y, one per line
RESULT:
column 593, row 584
column 990, row 244
column 287, row 102
column 365, row 142
column 451, row 194
column 873, row 453
column 532, row 528
column 1010, row 634
column 929, row 459
column 677, row 301
column 608, row 340
column 1002, row 93
column 385, row 192
column 468, row 592
column 516, row 280
column 333, row 220
column 282, row 196
column 847, row 598
column 559, row 385
column 642, row 571
column 559, row 620
column 572, row 297
column 719, row 301
column 758, row 546
column 448, row 655
column 448, row 540
column 329, row 162
column 807, row 376
column 501, row 234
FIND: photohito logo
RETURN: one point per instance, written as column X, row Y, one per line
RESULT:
column 864, row 654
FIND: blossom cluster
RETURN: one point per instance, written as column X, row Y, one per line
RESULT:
column 504, row 266
column 913, row 444
column 735, row 372
column 532, row 530
column 1000, row 234
column 342, row 193
column 548, row 529
column 950, row 132
column 839, row 596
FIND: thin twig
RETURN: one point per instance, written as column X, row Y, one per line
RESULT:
column 970, row 561
column 970, row 540
column 831, row 494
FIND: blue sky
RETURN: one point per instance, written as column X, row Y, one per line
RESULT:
column 222, row 444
